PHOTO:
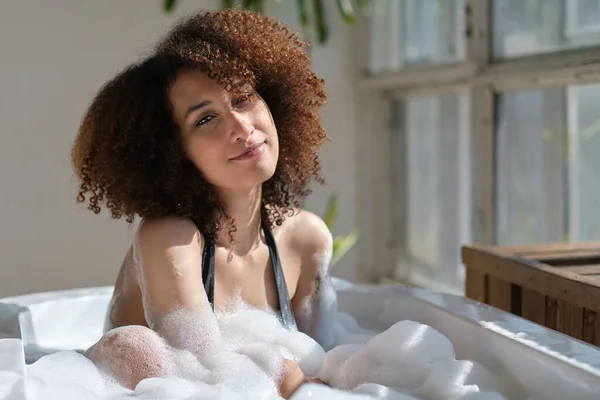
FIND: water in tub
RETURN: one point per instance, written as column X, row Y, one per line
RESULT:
column 407, row 361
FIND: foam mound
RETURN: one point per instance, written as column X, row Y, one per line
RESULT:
column 407, row 361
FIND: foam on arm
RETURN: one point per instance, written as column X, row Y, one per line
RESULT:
column 315, row 301
column 168, row 254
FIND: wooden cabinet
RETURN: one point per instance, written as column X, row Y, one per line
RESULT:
column 555, row 285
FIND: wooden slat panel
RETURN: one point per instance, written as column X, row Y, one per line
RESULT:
column 498, row 292
column 527, row 273
column 551, row 312
column 597, row 330
column 533, row 306
column 475, row 285
column 570, row 319
column 589, row 326
column 584, row 269
column 550, row 248
column 582, row 259
column 594, row 278
column 562, row 254
column 515, row 299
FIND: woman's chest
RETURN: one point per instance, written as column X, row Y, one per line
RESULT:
column 253, row 279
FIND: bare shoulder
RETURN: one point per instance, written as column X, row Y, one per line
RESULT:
column 169, row 258
column 168, row 232
column 310, row 234
column 167, row 240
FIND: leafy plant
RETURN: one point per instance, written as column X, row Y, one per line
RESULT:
column 347, row 9
column 341, row 244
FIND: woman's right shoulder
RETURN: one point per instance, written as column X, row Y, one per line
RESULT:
column 169, row 261
column 167, row 232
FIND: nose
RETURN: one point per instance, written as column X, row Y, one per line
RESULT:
column 241, row 127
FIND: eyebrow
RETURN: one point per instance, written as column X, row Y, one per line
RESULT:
column 197, row 107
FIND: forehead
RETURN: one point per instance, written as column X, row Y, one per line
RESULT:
column 192, row 83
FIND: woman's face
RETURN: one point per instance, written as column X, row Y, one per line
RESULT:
column 230, row 138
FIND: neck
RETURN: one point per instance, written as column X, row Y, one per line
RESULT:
column 244, row 206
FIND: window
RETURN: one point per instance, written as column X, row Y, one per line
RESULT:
column 413, row 33
column 548, row 175
column 531, row 165
column 495, row 130
column 525, row 27
column 432, row 145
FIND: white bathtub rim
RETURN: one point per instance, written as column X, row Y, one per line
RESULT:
column 54, row 295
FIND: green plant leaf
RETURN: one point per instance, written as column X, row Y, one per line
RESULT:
column 303, row 11
column 253, row 5
column 260, row 5
column 346, row 8
column 169, row 5
column 225, row 4
column 320, row 21
column 342, row 245
column 366, row 6
column 347, row 11
column 331, row 211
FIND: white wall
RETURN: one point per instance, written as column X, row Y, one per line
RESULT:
column 55, row 55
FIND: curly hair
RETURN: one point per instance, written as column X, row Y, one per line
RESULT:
column 128, row 152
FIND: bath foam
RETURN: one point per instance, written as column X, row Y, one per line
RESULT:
column 408, row 361
column 317, row 315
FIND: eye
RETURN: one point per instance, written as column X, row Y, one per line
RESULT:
column 204, row 120
column 243, row 99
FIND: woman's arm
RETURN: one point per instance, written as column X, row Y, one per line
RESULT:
column 315, row 301
column 168, row 253
column 175, row 302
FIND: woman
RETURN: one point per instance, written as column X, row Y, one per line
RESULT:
column 211, row 140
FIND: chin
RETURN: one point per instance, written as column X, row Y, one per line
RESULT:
column 261, row 176
column 262, row 170
column 251, row 178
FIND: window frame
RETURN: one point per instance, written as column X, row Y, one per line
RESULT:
column 484, row 78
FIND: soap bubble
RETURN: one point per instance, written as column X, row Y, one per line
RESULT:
column 245, row 358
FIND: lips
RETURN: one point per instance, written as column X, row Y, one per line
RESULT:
column 249, row 152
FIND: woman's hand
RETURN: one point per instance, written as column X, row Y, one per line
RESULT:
column 293, row 378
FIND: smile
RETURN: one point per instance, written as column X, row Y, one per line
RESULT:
column 251, row 152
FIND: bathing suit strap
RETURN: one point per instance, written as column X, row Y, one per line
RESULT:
column 285, row 304
column 208, row 271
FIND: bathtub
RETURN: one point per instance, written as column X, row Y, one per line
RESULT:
column 546, row 364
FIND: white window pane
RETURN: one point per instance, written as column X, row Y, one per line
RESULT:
column 584, row 162
column 530, row 162
column 415, row 33
column 435, row 194
column 548, row 169
column 423, row 181
column 526, row 27
column 433, row 31
column 585, row 14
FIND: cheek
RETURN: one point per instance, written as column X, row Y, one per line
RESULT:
column 275, row 146
column 274, row 137
column 205, row 155
column 268, row 126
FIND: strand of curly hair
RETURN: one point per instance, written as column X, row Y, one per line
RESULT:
column 128, row 152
